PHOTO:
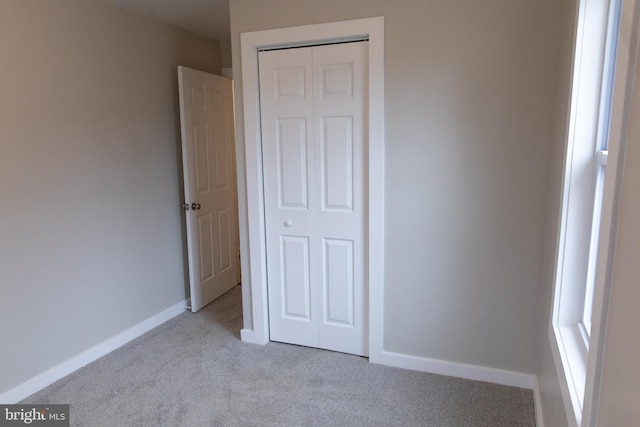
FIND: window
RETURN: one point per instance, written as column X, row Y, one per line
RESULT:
column 587, row 297
column 582, row 195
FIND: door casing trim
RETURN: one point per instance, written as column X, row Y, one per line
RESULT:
column 254, row 296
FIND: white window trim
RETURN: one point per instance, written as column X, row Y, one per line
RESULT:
column 586, row 311
column 569, row 342
column 626, row 64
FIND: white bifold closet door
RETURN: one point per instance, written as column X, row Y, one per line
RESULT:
column 314, row 123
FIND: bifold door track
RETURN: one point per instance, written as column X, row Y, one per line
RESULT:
column 314, row 43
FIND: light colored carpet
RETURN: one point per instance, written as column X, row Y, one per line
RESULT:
column 194, row 371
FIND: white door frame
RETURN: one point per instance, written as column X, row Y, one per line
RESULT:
column 254, row 295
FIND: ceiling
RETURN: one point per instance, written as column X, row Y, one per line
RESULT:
column 207, row 17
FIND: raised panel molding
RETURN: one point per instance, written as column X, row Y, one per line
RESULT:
column 205, row 228
column 292, row 163
column 198, row 97
column 337, row 163
column 221, row 157
column 338, row 282
column 201, row 153
column 290, row 84
column 225, row 250
column 337, row 80
column 218, row 101
column 295, row 278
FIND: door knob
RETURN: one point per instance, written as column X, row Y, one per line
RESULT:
column 288, row 223
column 195, row 206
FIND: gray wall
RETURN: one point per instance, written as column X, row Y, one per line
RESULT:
column 90, row 225
column 470, row 93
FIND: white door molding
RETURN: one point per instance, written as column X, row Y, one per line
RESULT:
column 255, row 294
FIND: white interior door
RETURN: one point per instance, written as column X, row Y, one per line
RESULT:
column 314, row 138
column 208, row 159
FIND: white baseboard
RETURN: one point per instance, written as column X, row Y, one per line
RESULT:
column 247, row 335
column 453, row 369
column 52, row 375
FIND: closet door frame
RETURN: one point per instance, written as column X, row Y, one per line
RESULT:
column 254, row 266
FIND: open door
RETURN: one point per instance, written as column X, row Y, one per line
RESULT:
column 208, row 160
